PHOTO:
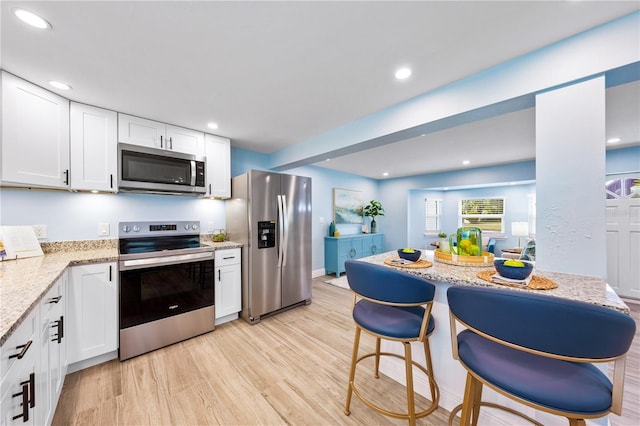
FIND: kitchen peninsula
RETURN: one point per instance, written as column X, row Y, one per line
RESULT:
column 449, row 374
column 573, row 287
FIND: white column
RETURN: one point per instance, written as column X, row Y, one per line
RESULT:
column 570, row 174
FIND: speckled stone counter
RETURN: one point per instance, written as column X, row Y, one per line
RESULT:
column 574, row 287
column 24, row 282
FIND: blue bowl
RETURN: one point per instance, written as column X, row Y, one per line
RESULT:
column 413, row 257
column 513, row 272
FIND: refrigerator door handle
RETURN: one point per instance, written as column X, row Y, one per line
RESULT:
column 280, row 230
column 285, row 222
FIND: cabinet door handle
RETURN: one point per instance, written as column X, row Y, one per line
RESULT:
column 219, row 275
column 59, row 324
column 171, row 143
column 32, row 389
column 209, row 189
column 24, row 350
column 111, row 181
column 66, row 177
column 161, row 141
column 54, row 299
column 110, row 273
column 25, row 402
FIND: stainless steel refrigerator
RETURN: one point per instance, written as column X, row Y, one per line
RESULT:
column 270, row 214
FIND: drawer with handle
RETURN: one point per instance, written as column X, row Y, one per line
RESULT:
column 227, row 257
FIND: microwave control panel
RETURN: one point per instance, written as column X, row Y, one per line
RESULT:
column 266, row 234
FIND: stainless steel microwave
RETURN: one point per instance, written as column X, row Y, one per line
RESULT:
column 159, row 171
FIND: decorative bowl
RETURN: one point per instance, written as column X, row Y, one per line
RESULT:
column 513, row 272
column 413, row 257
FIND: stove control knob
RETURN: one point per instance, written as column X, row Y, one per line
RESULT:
column 126, row 228
column 194, row 226
column 136, row 228
column 187, row 227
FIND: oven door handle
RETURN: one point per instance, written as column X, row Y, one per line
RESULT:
column 149, row 262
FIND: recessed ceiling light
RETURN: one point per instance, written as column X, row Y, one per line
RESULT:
column 403, row 73
column 466, row 162
column 613, row 140
column 60, row 85
column 385, row 174
column 31, row 19
column 212, row 125
column 328, row 159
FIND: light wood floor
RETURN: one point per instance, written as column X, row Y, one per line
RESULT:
column 291, row 369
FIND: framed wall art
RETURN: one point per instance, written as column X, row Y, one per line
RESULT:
column 347, row 206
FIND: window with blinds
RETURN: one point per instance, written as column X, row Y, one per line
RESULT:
column 433, row 211
column 484, row 213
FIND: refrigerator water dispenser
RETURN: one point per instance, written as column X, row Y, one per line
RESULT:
column 266, row 234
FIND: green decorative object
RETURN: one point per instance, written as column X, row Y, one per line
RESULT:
column 372, row 210
column 332, row 229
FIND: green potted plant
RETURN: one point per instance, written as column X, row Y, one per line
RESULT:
column 373, row 209
column 443, row 244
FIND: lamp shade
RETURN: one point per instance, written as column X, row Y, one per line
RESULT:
column 519, row 229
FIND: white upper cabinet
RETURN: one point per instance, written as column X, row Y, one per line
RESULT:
column 185, row 140
column 218, row 168
column 140, row 131
column 35, row 135
column 94, row 146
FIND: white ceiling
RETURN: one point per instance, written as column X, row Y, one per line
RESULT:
column 273, row 74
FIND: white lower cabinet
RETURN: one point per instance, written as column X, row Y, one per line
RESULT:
column 20, row 394
column 92, row 311
column 53, row 367
column 228, row 288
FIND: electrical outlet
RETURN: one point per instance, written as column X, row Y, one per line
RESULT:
column 40, row 231
column 103, row 229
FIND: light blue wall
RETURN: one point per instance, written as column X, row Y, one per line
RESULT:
column 623, row 160
column 394, row 194
column 516, row 210
column 73, row 216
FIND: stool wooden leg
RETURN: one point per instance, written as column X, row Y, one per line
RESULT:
column 409, row 379
column 352, row 373
column 377, row 370
column 576, row 422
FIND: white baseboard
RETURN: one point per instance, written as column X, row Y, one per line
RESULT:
column 318, row 273
column 81, row 365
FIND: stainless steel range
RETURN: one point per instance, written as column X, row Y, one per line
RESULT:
column 166, row 285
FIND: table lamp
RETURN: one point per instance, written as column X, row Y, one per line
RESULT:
column 520, row 229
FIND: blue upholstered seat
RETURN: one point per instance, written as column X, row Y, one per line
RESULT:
column 391, row 321
column 539, row 350
column 395, row 305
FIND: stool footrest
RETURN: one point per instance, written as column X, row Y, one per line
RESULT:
column 406, row 416
column 452, row 416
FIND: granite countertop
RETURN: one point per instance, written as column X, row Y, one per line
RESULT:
column 573, row 287
column 24, row 282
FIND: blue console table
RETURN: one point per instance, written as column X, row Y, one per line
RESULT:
column 339, row 249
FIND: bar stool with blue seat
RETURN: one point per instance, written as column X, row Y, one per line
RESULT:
column 393, row 305
column 538, row 350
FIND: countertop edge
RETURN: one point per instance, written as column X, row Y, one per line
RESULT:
column 72, row 258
